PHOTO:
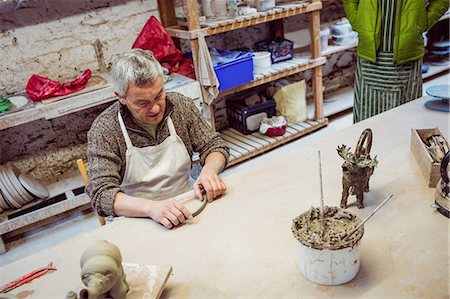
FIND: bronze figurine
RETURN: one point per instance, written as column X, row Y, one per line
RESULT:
column 357, row 169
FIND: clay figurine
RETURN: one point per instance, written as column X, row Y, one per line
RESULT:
column 102, row 272
column 357, row 169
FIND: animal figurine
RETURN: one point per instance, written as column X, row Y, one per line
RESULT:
column 357, row 169
column 102, row 272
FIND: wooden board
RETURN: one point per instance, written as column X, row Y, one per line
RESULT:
column 94, row 83
column 145, row 281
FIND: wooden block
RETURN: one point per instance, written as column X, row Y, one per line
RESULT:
column 429, row 168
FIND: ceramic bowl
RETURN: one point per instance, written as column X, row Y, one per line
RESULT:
column 347, row 39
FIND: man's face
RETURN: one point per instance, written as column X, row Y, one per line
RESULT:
column 148, row 103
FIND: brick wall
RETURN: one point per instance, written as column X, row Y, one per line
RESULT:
column 55, row 38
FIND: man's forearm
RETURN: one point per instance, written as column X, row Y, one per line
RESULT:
column 214, row 163
column 126, row 205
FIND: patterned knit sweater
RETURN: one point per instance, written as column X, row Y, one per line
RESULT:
column 107, row 148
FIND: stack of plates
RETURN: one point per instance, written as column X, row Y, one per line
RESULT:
column 441, row 48
column 17, row 189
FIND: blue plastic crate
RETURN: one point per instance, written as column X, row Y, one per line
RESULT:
column 236, row 71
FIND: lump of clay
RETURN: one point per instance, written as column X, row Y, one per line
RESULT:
column 102, row 272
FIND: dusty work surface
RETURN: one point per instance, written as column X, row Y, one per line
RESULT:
column 242, row 246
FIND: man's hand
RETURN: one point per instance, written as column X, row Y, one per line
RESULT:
column 169, row 212
column 209, row 179
column 211, row 183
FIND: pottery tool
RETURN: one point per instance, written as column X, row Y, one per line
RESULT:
column 27, row 278
column 321, row 187
column 345, row 236
column 202, row 207
column 191, row 202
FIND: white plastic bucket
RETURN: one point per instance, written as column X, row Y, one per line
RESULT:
column 325, row 256
column 329, row 267
column 261, row 62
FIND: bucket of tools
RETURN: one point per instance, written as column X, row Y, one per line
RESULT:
column 328, row 254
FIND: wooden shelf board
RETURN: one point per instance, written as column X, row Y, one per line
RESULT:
column 331, row 49
column 75, row 103
column 243, row 147
column 279, row 70
column 70, row 202
column 216, row 26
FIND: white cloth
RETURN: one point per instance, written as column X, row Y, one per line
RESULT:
column 206, row 74
column 156, row 172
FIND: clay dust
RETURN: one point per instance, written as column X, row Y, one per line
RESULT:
column 327, row 233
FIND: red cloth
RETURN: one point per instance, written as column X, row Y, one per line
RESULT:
column 39, row 88
column 155, row 38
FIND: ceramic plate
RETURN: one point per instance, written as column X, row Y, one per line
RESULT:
column 12, row 190
column 3, row 203
column 438, row 105
column 18, row 101
column 440, row 91
column 33, row 186
column 7, row 196
column 13, row 173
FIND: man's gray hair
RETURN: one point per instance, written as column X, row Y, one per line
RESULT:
column 137, row 66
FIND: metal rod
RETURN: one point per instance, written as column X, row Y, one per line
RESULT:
column 367, row 218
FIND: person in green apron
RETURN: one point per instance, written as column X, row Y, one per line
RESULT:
column 390, row 51
column 140, row 148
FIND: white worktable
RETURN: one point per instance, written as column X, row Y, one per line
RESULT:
column 242, row 245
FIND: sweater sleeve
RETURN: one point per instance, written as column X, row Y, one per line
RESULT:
column 435, row 10
column 203, row 139
column 104, row 164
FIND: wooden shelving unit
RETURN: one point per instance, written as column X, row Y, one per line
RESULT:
column 212, row 26
column 243, row 147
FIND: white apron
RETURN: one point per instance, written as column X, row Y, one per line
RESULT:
column 156, row 172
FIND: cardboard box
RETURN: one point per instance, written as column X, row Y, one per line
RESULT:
column 429, row 168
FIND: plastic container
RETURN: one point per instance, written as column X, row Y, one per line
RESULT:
column 234, row 72
column 274, row 126
column 329, row 267
column 324, row 37
column 344, row 40
column 261, row 62
column 248, row 119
